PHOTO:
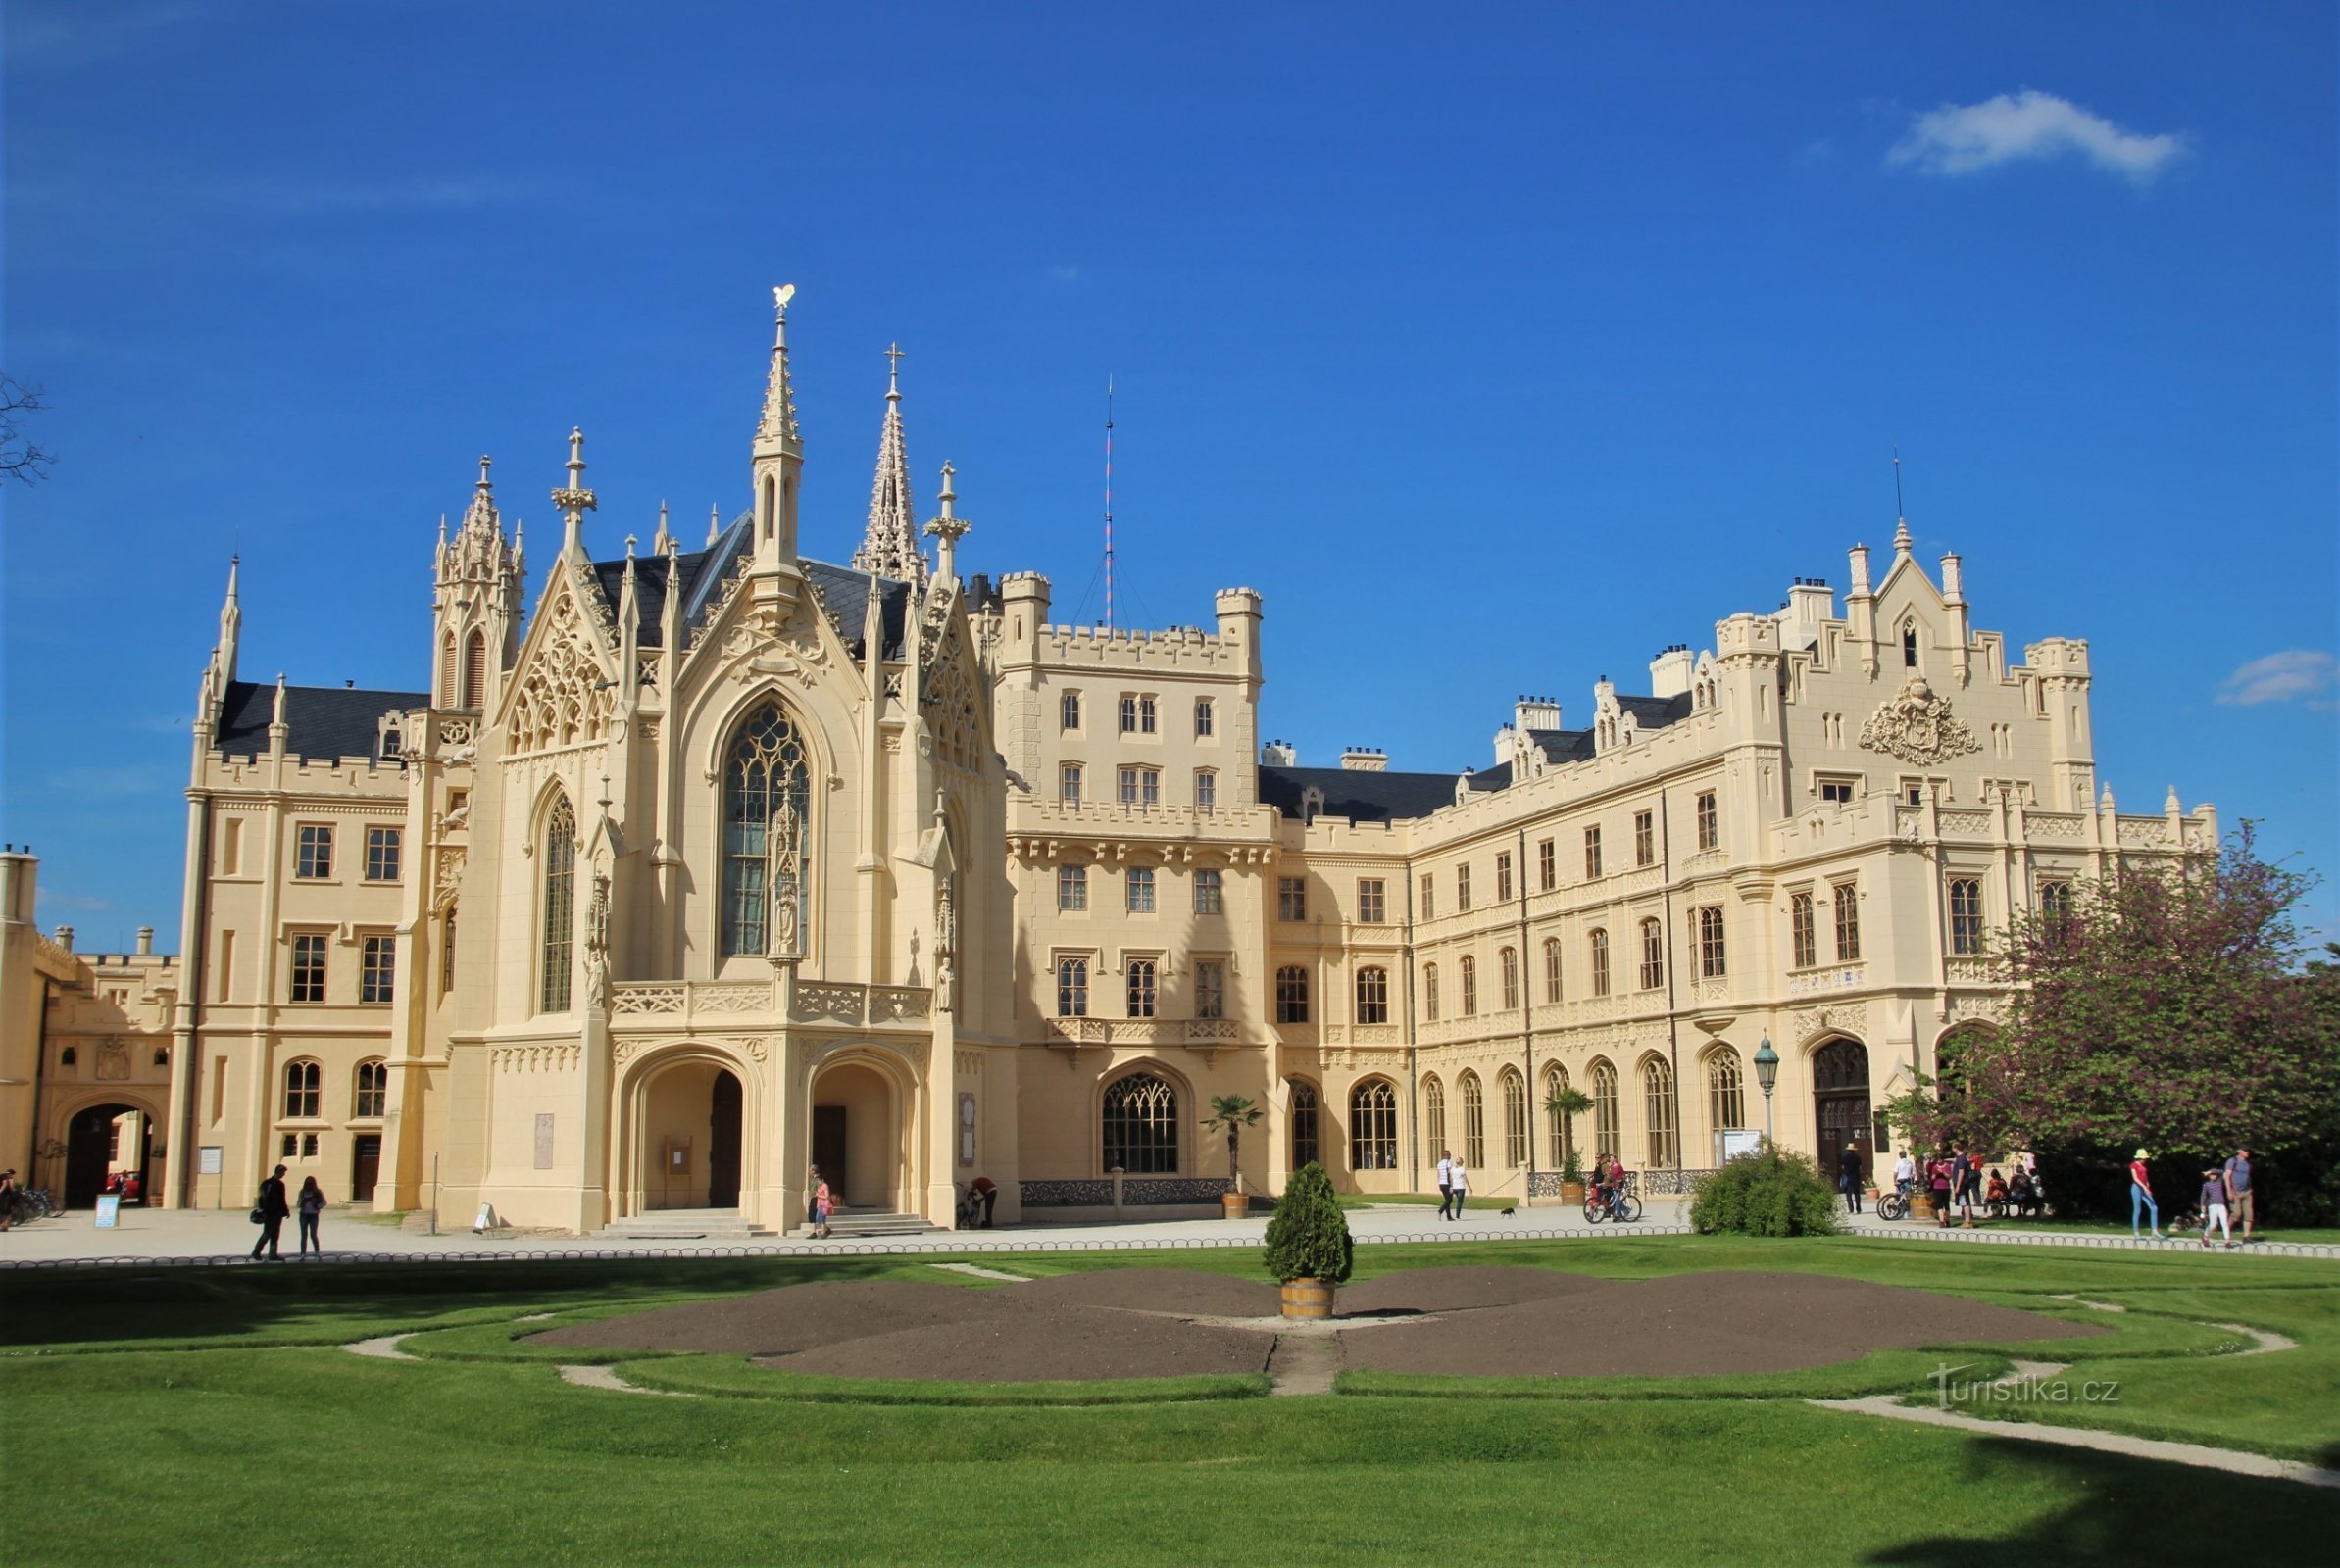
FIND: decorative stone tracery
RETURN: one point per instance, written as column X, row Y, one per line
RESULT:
column 566, row 696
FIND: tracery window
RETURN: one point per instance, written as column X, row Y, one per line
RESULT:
column 1372, row 994
column 1597, row 951
column 1657, row 1101
column 1470, row 967
column 559, row 907
column 1965, row 917
column 1555, row 1126
column 766, row 769
column 374, row 1087
column 1511, row 979
column 1475, row 1122
column 1434, row 1111
column 304, row 1089
column 1552, row 968
column 1803, row 943
column 1291, row 994
column 1713, row 958
column 1373, row 1126
column 1429, row 992
column 1846, row 898
column 1144, row 989
column 1727, row 1095
column 1515, row 1118
column 1605, row 1137
column 1303, row 1123
column 1653, row 954
column 1141, row 1126
column 1072, row 988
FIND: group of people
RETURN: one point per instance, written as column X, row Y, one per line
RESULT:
column 1955, row 1179
column 2226, row 1195
column 274, row 1207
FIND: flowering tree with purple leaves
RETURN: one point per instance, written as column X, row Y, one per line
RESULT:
column 2166, row 1007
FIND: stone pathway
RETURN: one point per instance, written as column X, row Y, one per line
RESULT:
column 601, row 1377
column 1303, row 1362
column 384, row 1348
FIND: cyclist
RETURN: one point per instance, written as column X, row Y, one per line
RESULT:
column 1905, row 1175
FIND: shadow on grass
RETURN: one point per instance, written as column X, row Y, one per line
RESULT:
column 2131, row 1511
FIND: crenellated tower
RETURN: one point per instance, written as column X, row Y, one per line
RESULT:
column 475, row 604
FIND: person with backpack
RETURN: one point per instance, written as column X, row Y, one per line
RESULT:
column 269, row 1214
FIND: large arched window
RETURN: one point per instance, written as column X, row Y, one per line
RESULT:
column 1657, row 1109
column 766, row 774
column 1726, row 1093
column 1141, row 1126
column 1605, row 1138
column 1515, row 1118
column 1305, row 1109
column 1475, row 1122
column 1555, row 1129
column 304, row 1090
column 1372, row 994
column 374, row 1087
column 560, row 907
column 1433, row 1112
column 475, row 669
column 1373, row 1126
column 1470, row 967
column 1511, row 979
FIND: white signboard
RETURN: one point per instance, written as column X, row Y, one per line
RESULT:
column 1732, row 1142
column 109, row 1211
column 209, row 1159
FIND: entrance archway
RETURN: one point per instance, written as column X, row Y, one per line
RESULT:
column 691, row 1115
column 1839, row 1100
column 858, row 1136
column 101, row 1140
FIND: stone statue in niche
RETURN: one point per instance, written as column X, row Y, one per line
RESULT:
column 781, row 870
column 946, row 944
column 597, row 940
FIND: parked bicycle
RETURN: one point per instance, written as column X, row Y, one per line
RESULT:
column 1893, row 1204
column 31, row 1202
column 1616, row 1203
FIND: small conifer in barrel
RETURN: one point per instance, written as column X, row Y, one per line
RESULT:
column 1309, row 1250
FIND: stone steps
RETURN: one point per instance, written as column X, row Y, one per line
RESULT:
column 869, row 1222
column 684, row 1225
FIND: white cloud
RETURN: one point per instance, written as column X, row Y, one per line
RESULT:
column 1963, row 139
column 2297, row 675
column 1063, row 272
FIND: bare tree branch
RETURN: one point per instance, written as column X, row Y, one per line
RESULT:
column 20, row 459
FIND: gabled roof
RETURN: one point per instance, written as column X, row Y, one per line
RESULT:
column 1358, row 796
column 1656, row 713
column 323, row 724
column 699, row 576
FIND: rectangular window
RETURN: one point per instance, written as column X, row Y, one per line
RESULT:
column 1372, row 902
column 1291, row 995
column 1470, row 967
column 1072, row 988
column 308, row 966
column 1711, row 958
column 378, row 968
column 1140, row 881
column 1597, row 955
column 1847, row 901
column 381, row 854
column 291, row 1147
column 231, row 847
column 1965, row 917
column 1128, row 713
column 1291, row 897
column 1463, row 889
column 1803, row 940
column 1068, row 784
column 1503, row 878
column 1205, row 719
column 1547, row 866
column 1372, row 994
column 1645, row 838
column 1067, row 711
column 1592, row 854
column 1149, row 786
column 1073, row 887
column 1211, row 989
column 1429, row 901
column 1146, row 725
column 1837, row 791
column 1653, row 954
column 1128, row 786
column 1210, row 892
column 313, row 858
column 1552, row 970
column 1143, row 992
column 1206, row 791
column 218, row 1088
column 447, row 953
column 1710, row 826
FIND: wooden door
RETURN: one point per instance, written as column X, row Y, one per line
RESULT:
column 364, row 1166
column 723, row 1143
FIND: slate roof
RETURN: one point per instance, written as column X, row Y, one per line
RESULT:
column 700, row 576
column 1358, row 796
column 324, row 723
column 1656, row 713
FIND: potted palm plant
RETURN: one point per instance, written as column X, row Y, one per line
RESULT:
column 1566, row 1103
column 1309, row 1250
column 1232, row 1113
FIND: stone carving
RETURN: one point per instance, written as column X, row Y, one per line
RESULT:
column 448, row 882
column 455, row 732
column 565, row 695
column 597, row 941
column 113, row 1061
column 646, row 999
column 1917, row 726
column 1838, row 1017
column 781, row 875
column 946, row 944
column 730, row 997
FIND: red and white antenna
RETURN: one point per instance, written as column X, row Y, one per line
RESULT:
column 1109, row 501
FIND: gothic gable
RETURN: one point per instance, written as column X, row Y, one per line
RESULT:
column 565, row 690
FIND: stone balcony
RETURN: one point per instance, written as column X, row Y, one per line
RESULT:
column 1210, row 1036
column 687, row 1004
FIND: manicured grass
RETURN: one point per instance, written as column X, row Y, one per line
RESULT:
column 733, row 1376
column 151, row 1446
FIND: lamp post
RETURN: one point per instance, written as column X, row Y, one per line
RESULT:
column 1766, row 1075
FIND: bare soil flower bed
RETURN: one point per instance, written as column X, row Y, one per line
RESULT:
column 1472, row 1322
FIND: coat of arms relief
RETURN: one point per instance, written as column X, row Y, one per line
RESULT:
column 1917, row 726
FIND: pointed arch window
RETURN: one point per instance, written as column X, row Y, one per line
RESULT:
column 560, row 907
column 1373, row 1126
column 449, row 690
column 1433, row 1110
column 1556, row 1082
column 766, row 779
column 475, row 669
column 1657, row 1109
column 1515, row 1118
column 1305, row 1107
column 1727, row 1095
column 1605, row 1138
column 1475, row 1122
column 1141, row 1126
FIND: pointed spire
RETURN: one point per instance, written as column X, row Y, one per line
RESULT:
column 714, row 523
column 779, row 425
column 231, row 622
column 1901, row 520
column 480, row 515
column 662, row 538
column 890, row 546
column 949, row 528
column 573, row 498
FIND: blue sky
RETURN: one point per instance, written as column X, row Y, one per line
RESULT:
column 1498, row 348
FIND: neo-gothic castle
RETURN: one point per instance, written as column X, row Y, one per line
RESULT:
column 698, row 866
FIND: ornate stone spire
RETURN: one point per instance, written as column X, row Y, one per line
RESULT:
column 950, row 527
column 231, row 626
column 573, row 498
column 890, row 546
column 480, row 515
column 779, row 425
column 665, row 536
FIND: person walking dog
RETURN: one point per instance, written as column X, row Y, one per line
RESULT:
column 2238, row 1190
column 312, row 1203
column 269, row 1214
column 2141, row 1198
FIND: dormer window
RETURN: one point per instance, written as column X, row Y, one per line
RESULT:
column 1909, row 645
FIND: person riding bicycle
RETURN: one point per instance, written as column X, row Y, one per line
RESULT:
column 1905, row 1175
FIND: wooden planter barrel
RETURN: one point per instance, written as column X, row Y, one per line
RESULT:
column 1307, row 1299
column 1921, row 1206
column 1572, row 1193
column 1235, row 1206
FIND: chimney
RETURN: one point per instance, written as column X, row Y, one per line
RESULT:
column 1535, row 713
column 65, row 936
column 145, row 941
column 1364, row 760
column 1279, row 753
column 1670, row 671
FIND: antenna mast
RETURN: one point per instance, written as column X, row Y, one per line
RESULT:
column 1108, row 502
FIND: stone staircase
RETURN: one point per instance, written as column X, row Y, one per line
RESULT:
column 847, row 1223
column 684, row 1225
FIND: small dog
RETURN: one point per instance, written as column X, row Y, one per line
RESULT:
column 1509, row 1213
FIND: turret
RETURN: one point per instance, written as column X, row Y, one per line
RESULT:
column 779, row 452
column 475, row 604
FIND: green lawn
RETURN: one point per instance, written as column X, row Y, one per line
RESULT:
column 203, row 1416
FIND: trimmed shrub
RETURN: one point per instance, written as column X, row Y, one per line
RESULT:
column 1309, row 1237
column 1773, row 1191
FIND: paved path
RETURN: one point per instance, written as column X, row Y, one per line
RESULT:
column 2186, row 1454
column 210, row 1236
